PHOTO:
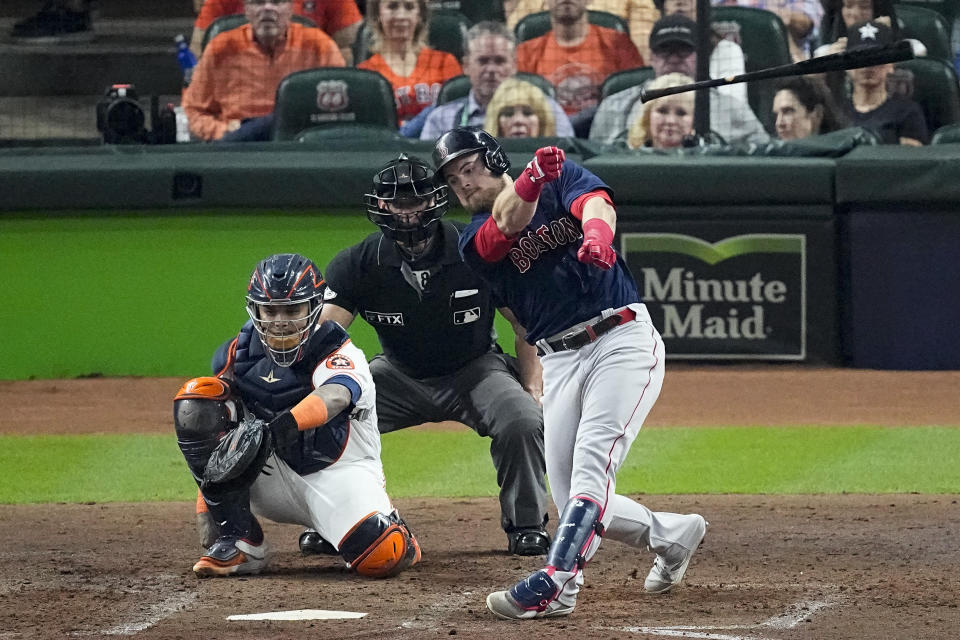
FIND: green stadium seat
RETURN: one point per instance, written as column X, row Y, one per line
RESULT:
column 621, row 80
column 475, row 10
column 536, row 24
column 936, row 88
column 764, row 41
column 929, row 27
column 949, row 9
column 332, row 96
column 226, row 23
column 947, row 134
column 459, row 86
column 350, row 134
column 448, row 31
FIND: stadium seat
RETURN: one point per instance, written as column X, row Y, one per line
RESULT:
column 536, row 24
column 351, row 134
column 929, row 27
column 226, row 23
column 947, row 134
column 332, row 96
column 459, row 86
column 936, row 88
column 475, row 10
column 949, row 9
column 448, row 31
column 621, row 80
column 764, row 41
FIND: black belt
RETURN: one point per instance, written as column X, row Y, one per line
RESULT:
column 588, row 333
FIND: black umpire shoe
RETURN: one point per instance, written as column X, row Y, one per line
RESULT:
column 528, row 542
column 312, row 543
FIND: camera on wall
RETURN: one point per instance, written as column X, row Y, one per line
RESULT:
column 121, row 119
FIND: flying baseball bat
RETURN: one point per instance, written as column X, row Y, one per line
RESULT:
column 855, row 59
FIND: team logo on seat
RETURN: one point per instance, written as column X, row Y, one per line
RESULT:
column 332, row 95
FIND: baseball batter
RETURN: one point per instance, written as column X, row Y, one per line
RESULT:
column 440, row 361
column 544, row 243
column 312, row 387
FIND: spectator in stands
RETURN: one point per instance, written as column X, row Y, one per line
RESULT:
column 399, row 29
column 339, row 18
column 803, row 107
column 839, row 15
column 895, row 119
column 57, row 21
column 801, row 17
column 489, row 58
column 576, row 56
column 672, row 50
column 726, row 57
column 639, row 14
column 232, row 92
column 519, row 109
column 664, row 123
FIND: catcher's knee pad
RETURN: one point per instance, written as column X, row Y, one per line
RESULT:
column 380, row 546
column 202, row 412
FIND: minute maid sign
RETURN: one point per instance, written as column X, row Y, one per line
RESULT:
column 743, row 297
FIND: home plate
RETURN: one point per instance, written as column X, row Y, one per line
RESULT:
column 299, row 614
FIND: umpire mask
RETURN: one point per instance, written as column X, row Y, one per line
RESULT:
column 407, row 203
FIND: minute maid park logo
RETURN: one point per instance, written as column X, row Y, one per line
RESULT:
column 741, row 297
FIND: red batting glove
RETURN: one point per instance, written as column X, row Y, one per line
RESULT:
column 545, row 167
column 596, row 249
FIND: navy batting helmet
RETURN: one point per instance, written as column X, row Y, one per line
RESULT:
column 407, row 202
column 463, row 140
column 277, row 287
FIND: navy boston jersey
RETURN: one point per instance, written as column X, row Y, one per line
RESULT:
column 567, row 291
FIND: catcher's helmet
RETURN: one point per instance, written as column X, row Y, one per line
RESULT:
column 463, row 140
column 278, row 282
column 406, row 203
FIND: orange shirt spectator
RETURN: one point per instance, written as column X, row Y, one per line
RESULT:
column 237, row 79
column 639, row 14
column 577, row 72
column 333, row 16
column 330, row 15
column 420, row 88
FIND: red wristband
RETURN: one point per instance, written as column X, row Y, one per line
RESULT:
column 526, row 188
column 597, row 229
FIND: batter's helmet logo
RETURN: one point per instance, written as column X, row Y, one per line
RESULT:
column 309, row 6
column 339, row 361
column 442, row 150
column 332, row 95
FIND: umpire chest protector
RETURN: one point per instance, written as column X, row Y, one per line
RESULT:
column 431, row 317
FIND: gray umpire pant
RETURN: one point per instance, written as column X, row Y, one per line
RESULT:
column 486, row 396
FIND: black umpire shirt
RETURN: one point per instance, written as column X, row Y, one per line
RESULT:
column 432, row 317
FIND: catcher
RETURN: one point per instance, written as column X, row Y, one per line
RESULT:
column 287, row 428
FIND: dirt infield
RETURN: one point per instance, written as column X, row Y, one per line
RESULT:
column 771, row 567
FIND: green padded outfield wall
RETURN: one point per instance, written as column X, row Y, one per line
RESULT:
column 150, row 293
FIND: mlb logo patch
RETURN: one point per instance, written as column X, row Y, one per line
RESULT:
column 466, row 316
column 339, row 361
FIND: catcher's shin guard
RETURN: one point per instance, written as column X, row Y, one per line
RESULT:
column 380, row 546
column 202, row 413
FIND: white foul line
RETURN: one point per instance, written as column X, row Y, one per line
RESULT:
column 159, row 611
column 802, row 611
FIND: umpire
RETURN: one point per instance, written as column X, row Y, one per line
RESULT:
column 440, row 360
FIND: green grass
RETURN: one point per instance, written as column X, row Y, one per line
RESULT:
column 135, row 468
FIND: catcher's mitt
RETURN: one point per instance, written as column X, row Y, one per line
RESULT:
column 238, row 459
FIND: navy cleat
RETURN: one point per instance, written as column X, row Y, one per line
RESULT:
column 534, row 597
column 312, row 543
column 232, row 556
